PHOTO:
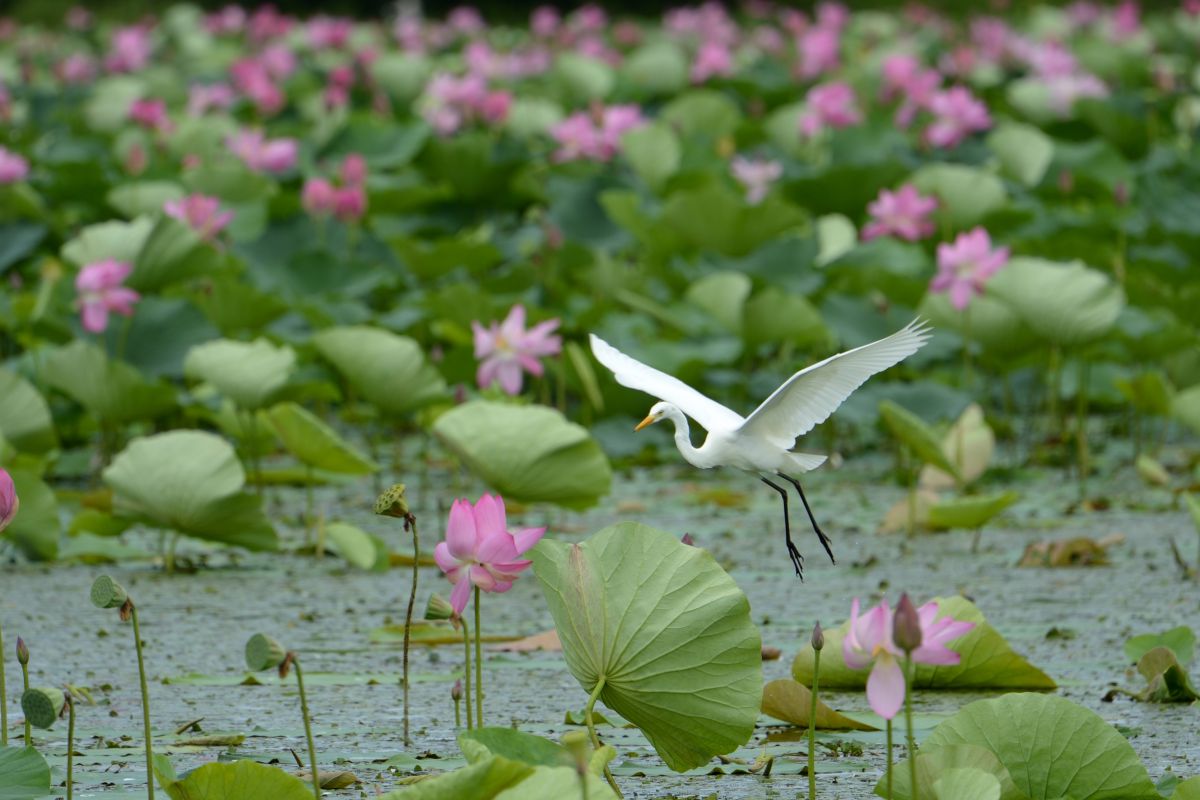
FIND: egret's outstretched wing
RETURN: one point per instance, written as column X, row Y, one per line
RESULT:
column 636, row 375
column 808, row 398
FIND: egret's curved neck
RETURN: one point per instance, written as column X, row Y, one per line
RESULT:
column 683, row 439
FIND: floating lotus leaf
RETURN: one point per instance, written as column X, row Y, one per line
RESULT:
column 25, row 420
column 1180, row 640
column 918, row 437
column 1067, row 304
column 190, row 482
column 315, row 443
column 791, row 702
column 1051, row 747
column 389, row 371
column 248, row 373
column 971, row 511
column 944, row 765
column 24, row 774
column 1187, row 790
column 488, row 779
column 988, row 662
column 237, row 780
column 143, row 197
column 665, row 629
column 1167, row 681
column 527, row 453
column 112, row 390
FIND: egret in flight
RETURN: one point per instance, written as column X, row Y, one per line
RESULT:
column 762, row 442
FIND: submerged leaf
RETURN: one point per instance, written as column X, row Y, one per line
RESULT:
column 1181, row 640
column 787, row 700
column 1078, row 551
column 644, row 614
column 988, row 662
column 1167, row 681
column 1051, row 747
column 527, row 453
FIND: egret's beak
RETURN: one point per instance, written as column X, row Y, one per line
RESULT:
column 650, row 420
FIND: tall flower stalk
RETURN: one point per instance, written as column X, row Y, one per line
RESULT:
column 263, row 653
column 818, row 643
column 3, row 696
column 906, row 635
column 23, row 660
column 10, row 503
column 393, row 503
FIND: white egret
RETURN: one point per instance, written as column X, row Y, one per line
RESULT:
column 762, row 442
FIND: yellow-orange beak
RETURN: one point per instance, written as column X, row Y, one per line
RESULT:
column 650, row 420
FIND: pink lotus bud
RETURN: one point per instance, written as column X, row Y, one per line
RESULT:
column 906, row 625
column 9, row 502
column 818, row 637
column 22, row 652
column 318, row 197
column 350, row 203
column 456, row 691
column 688, row 540
column 354, row 170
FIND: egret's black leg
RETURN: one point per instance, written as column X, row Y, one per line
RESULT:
column 825, row 541
column 793, row 553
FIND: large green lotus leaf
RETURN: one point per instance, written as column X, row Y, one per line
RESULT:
column 702, row 112
column 117, row 240
column 1065, row 303
column 191, row 482
column 25, row 420
column 653, row 151
column 234, row 305
column 988, row 662
column 389, row 371
column 935, row 764
column 722, row 294
column 24, row 774
column 1187, row 790
column 559, row 783
column 920, row 439
column 966, row 194
column 483, row 780
column 658, row 68
column 956, row 784
column 666, row 630
column 356, row 546
column 1024, row 151
column 1180, row 640
column 1149, row 392
column 248, row 373
column 583, row 79
column 1186, row 407
column 112, row 390
column 991, row 322
column 18, row 240
column 971, row 511
column 774, row 315
column 237, row 780
column 143, row 197
column 172, row 252
column 480, row 744
column 36, row 526
column 315, row 443
column 1051, row 747
column 714, row 218
column 527, row 453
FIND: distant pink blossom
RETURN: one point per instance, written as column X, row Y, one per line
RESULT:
column 354, row 170
column 151, row 113
column 201, row 213
column 79, row 18
column 506, row 348
column 201, row 98
column 254, row 80
column 451, row 102
column 10, row 503
column 1126, row 20
column 261, row 154
column 100, row 292
column 544, row 21
column 13, row 167
column 278, row 60
column 903, row 213
column 328, row 33
column 466, row 20
column 829, row 105
column 713, row 60
column 76, row 68
column 595, row 136
column 589, row 18
column 1084, row 12
column 129, row 49
column 904, row 77
column 1064, row 90
column 319, row 197
column 833, row 16
column 819, row 49
column 958, row 113
column 708, row 22
column 480, row 551
column 992, row 38
column 267, row 23
column 350, row 203
column 230, row 19
column 965, row 266
column 869, row 643
column 755, row 176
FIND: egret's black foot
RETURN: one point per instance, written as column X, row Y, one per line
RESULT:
column 797, row 559
column 825, row 540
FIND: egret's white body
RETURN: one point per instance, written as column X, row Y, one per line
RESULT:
column 762, row 442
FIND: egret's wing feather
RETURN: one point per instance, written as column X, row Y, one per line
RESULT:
column 807, row 398
column 636, row 375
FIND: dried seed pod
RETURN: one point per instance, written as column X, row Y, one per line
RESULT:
column 393, row 503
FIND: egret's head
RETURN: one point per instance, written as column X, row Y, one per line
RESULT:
column 657, row 412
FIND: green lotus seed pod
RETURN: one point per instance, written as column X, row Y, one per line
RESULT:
column 393, row 503
column 263, row 652
column 107, row 593
column 42, row 706
column 438, row 607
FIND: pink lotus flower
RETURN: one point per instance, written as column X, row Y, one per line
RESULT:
column 959, row 114
column 13, row 167
column 9, row 502
column 904, row 77
column 869, row 643
column 100, row 292
column 253, row 79
column 544, row 21
column 756, row 176
column 480, row 551
column 203, row 98
column 713, row 60
column 329, row 33
column 595, row 136
column 319, row 197
column 201, row 213
column 506, row 348
column 76, row 68
column 354, row 170
column 350, row 203
column 129, row 50
column 450, row 102
column 151, row 114
column 965, row 266
column 261, row 154
column 819, row 50
column 829, row 105
column 903, row 213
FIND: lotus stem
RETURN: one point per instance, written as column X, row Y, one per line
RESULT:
column 909, row 678
column 966, row 344
column 308, row 503
column 591, row 726
column 812, row 728
column 137, row 642
column 467, row 672
column 912, row 491
column 411, row 522
column 3, row 696
column 889, row 759
column 70, row 742
column 478, row 665
column 25, row 684
column 255, row 465
column 1081, row 440
column 312, row 746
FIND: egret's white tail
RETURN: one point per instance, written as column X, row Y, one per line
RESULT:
column 806, row 461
